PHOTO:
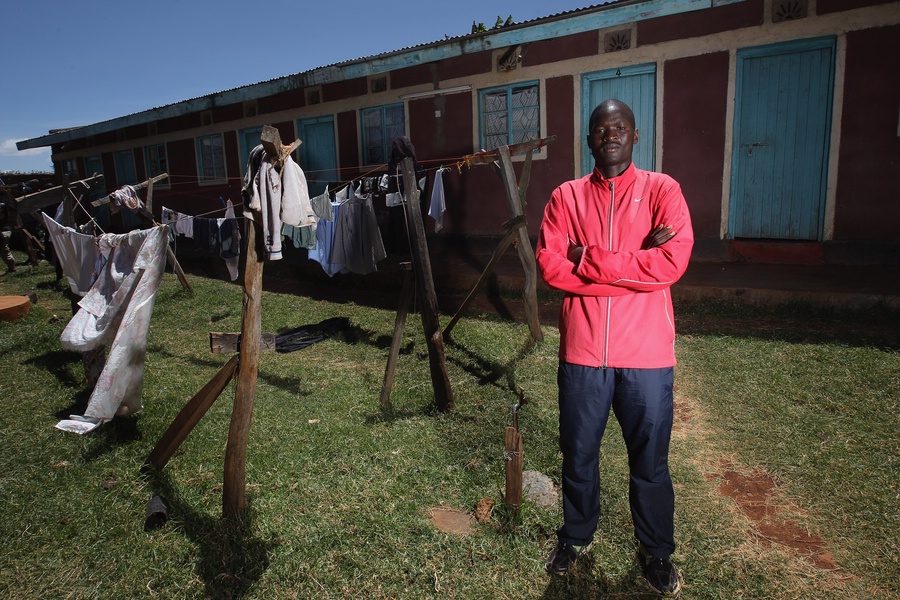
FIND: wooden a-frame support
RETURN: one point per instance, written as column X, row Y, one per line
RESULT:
column 245, row 364
column 515, row 230
column 32, row 203
column 420, row 272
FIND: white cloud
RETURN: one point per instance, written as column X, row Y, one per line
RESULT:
column 8, row 148
column 31, row 160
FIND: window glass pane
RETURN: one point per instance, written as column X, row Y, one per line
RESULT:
column 380, row 126
column 525, row 96
column 526, row 118
column 494, row 101
column 393, row 116
column 156, row 160
column 495, row 123
column 212, row 157
column 372, row 118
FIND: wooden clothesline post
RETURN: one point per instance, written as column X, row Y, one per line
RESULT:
column 233, row 497
column 516, row 228
column 421, row 273
column 245, row 365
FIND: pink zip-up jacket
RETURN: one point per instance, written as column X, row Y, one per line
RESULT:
column 617, row 310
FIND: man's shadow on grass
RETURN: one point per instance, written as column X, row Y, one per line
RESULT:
column 232, row 558
column 118, row 432
column 587, row 581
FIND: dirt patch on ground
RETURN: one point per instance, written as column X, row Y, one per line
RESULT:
column 773, row 518
column 450, row 520
column 758, row 497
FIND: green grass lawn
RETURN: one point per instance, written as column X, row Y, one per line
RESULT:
column 340, row 491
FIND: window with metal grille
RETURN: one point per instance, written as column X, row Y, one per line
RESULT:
column 380, row 125
column 211, row 157
column 510, row 115
column 156, row 161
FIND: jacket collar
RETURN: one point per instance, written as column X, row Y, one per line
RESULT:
column 626, row 178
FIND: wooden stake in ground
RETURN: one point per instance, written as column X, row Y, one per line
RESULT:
column 512, row 453
column 233, row 500
column 399, row 323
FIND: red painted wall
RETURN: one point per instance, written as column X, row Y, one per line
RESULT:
column 561, row 48
column 823, row 7
column 866, row 205
column 348, row 141
column 696, row 90
column 686, row 25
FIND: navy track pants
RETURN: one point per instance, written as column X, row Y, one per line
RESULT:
column 641, row 400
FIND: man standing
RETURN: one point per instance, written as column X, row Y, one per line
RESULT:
column 615, row 241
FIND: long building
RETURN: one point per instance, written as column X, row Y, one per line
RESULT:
column 780, row 119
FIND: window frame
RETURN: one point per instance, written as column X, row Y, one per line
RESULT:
column 386, row 140
column 215, row 177
column 163, row 163
column 511, row 131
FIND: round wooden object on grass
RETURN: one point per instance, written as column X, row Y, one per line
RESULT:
column 14, row 307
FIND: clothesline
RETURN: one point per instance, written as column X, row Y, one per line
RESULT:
column 455, row 161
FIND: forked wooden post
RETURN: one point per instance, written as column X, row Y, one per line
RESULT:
column 440, row 381
column 501, row 159
column 233, row 497
column 514, row 195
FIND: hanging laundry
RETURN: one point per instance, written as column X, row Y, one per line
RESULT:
column 124, row 196
column 273, row 197
column 230, row 240
column 321, row 206
column 78, row 254
column 322, row 253
column 180, row 223
column 206, row 234
column 437, row 208
column 301, row 237
column 116, row 313
column 357, row 240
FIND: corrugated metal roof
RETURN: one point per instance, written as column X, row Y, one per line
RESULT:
column 377, row 63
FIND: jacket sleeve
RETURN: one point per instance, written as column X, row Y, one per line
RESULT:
column 552, row 249
column 650, row 269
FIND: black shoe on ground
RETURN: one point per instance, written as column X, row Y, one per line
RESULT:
column 660, row 573
column 564, row 556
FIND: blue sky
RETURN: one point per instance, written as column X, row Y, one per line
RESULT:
column 67, row 63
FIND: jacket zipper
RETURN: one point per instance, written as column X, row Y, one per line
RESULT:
column 609, row 244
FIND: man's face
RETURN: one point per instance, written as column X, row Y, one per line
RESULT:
column 611, row 141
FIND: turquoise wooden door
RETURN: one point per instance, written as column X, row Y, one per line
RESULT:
column 318, row 153
column 249, row 139
column 782, row 126
column 636, row 87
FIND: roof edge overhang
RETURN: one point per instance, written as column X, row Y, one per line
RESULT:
column 594, row 17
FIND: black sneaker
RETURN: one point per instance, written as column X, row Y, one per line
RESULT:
column 660, row 573
column 564, row 556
